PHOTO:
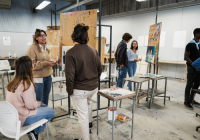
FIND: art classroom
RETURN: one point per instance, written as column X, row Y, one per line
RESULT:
column 99, row 70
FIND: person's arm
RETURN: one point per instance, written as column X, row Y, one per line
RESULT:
column 29, row 98
column 69, row 73
column 38, row 65
column 187, row 53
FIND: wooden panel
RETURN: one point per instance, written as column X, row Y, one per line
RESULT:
column 104, row 56
column 5, row 4
column 53, row 38
column 53, row 28
column 69, row 20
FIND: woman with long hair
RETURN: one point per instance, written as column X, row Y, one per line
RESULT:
column 132, row 55
column 82, row 72
column 21, row 94
column 40, row 56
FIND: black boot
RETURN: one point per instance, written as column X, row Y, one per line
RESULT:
column 32, row 135
column 188, row 105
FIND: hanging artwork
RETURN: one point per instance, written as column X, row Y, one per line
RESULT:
column 154, row 39
column 53, row 42
column 150, row 55
column 69, row 20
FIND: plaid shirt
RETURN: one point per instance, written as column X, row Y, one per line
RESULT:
column 121, row 54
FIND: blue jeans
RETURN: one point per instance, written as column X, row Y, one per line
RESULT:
column 132, row 67
column 42, row 113
column 43, row 89
column 122, row 75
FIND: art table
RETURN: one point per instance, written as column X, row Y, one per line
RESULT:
column 139, row 81
column 124, row 94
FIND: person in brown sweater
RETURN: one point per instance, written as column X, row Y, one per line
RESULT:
column 82, row 69
column 40, row 56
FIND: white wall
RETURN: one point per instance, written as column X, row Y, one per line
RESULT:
column 181, row 19
column 20, row 23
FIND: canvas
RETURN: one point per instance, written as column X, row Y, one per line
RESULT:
column 150, row 55
column 154, row 38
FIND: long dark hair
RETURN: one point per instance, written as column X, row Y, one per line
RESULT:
column 132, row 45
column 37, row 33
column 80, row 34
column 23, row 68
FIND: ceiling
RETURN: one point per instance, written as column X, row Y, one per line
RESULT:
column 5, row 4
column 89, row 3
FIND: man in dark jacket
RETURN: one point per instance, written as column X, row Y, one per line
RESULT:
column 122, row 59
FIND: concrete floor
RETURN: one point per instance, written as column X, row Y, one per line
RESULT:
column 162, row 122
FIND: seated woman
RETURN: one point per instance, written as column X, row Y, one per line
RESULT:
column 21, row 94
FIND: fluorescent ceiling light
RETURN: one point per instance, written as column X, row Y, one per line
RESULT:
column 140, row 0
column 43, row 4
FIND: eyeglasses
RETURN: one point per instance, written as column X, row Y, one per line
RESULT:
column 44, row 35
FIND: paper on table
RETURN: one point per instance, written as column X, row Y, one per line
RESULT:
column 123, row 92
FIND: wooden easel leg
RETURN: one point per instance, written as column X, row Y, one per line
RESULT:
column 184, row 73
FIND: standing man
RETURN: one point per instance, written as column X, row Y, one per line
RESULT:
column 192, row 53
column 122, row 59
column 82, row 70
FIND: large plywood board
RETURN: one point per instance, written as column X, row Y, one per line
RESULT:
column 53, row 39
column 154, row 38
column 69, row 20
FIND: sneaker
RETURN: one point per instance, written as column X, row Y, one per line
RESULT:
column 90, row 125
column 32, row 135
column 196, row 103
column 188, row 105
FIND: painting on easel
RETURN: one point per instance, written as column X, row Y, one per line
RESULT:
column 154, row 38
column 150, row 55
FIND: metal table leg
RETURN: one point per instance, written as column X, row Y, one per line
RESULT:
column 152, row 94
column 165, row 90
column 148, row 94
column 120, row 104
column 8, row 77
column 134, row 101
column 108, row 102
column 98, row 101
column 52, row 96
column 113, row 122
column 97, row 114
column 3, row 87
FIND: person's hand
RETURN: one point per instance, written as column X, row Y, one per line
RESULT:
column 140, row 59
column 58, row 61
column 51, row 63
column 41, row 104
column 72, row 95
column 121, row 65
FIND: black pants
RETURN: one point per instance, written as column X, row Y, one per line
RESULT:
column 193, row 82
